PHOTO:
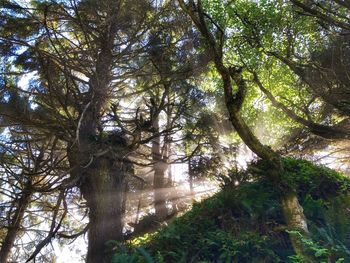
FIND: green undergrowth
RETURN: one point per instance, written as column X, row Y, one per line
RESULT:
column 245, row 223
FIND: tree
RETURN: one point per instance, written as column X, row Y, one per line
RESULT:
column 313, row 47
column 88, row 60
column 29, row 169
column 83, row 53
column 214, row 38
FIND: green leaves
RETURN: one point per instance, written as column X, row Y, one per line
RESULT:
column 127, row 254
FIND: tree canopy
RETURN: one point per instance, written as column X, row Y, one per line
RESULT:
column 104, row 103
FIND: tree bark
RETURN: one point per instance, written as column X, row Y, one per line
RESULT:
column 14, row 227
column 160, row 166
column 103, row 189
column 295, row 219
column 190, row 178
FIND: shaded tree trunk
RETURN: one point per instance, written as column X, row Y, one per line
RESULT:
column 160, row 167
column 102, row 185
column 14, row 227
column 170, row 176
column 190, row 178
column 103, row 189
column 100, row 177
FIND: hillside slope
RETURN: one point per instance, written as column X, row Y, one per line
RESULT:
column 245, row 224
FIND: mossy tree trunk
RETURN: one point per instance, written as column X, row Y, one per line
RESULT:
column 296, row 220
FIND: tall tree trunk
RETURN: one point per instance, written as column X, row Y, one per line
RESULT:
column 14, row 227
column 170, row 176
column 102, row 184
column 103, row 189
column 160, row 166
column 101, row 178
column 190, row 178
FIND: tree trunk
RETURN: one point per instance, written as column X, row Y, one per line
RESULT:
column 160, row 166
column 103, row 189
column 14, row 227
column 295, row 220
column 170, row 176
column 159, row 191
column 190, row 179
column 101, row 178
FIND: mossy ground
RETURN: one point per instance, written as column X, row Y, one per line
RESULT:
column 245, row 223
